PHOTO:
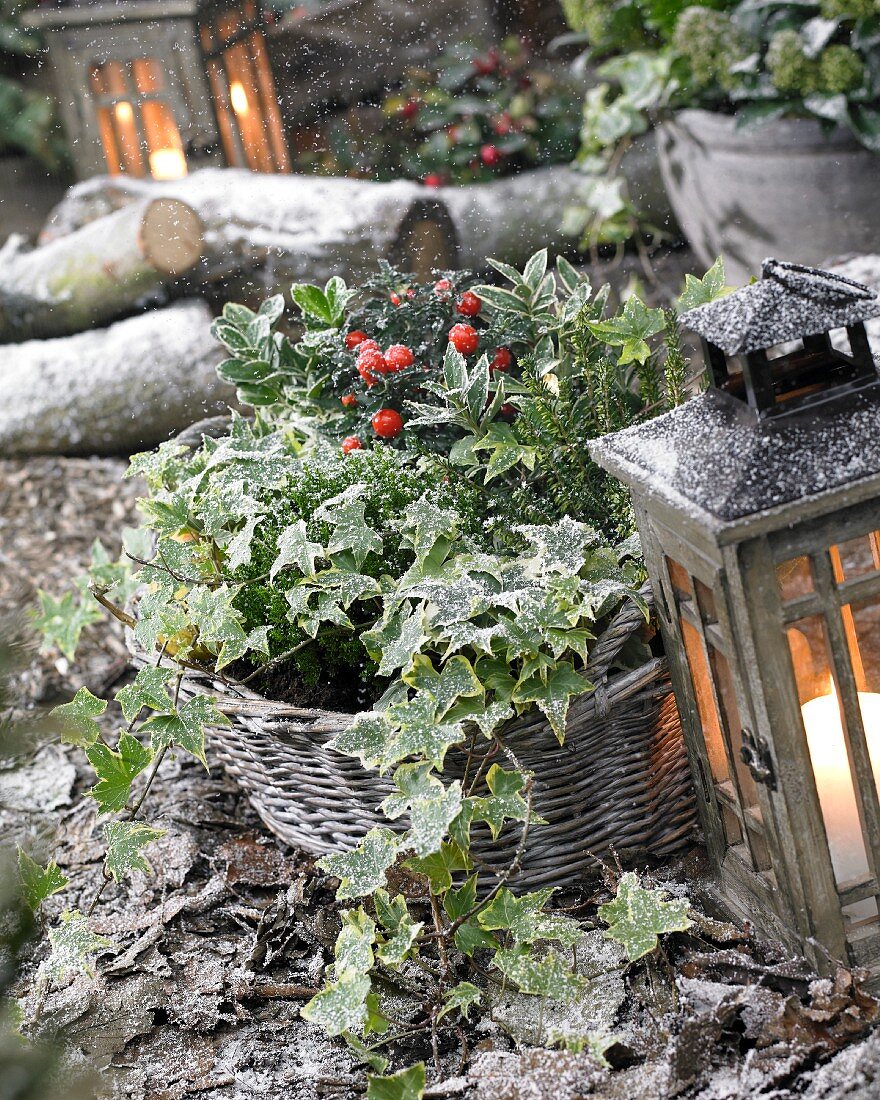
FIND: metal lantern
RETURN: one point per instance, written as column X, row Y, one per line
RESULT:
column 159, row 87
column 758, row 505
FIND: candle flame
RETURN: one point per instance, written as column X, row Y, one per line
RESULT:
column 124, row 112
column 167, row 164
column 238, row 98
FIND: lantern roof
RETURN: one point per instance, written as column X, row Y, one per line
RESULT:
column 787, row 303
column 711, row 458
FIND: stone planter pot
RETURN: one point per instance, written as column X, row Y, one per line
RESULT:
column 785, row 189
column 27, row 194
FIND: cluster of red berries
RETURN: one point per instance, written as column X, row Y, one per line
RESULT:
column 372, row 361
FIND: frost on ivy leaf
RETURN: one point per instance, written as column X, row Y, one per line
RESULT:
column 419, row 733
column 637, row 917
column 553, row 692
column 431, row 806
column 367, row 738
column 408, row 1084
column 401, row 930
column 460, row 998
column 148, row 690
column 185, row 727
column 360, row 872
column 560, row 548
column 547, row 976
column 73, row 946
column 397, row 641
column 505, row 801
column 439, row 866
column 294, row 548
column 61, row 621
column 77, row 725
column 218, row 622
column 116, row 771
column 351, row 530
column 427, row 523
column 354, row 944
column 341, row 1005
column 526, row 920
column 38, row 883
column 125, row 841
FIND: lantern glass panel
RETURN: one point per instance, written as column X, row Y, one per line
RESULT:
column 794, row 578
column 856, row 557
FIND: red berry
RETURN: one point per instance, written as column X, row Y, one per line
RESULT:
column 353, row 339
column 351, row 443
column 368, row 345
column 348, row 400
column 502, row 124
column 490, row 155
column 470, row 305
column 411, row 292
column 502, row 359
column 372, row 361
column 387, row 423
column 453, row 135
column 486, row 65
column 395, row 299
column 442, row 287
column 464, row 338
column 411, row 108
column 399, row 357
column 508, row 410
column 433, row 179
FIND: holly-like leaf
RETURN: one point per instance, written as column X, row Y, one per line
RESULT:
column 125, row 843
column 698, row 292
column 354, row 944
column 409, row 1084
column 185, row 727
column 630, row 330
column 637, row 917
column 505, row 802
column 547, row 976
column 431, row 806
column 62, row 621
column 360, row 872
column 73, row 946
column 76, row 719
column 38, row 883
column 295, row 548
column 116, row 771
column 461, row 998
column 148, row 690
column 341, row 1005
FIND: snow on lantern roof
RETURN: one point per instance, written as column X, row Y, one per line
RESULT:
column 710, row 455
column 787, row 303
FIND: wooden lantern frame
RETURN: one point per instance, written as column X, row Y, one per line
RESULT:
column 727, row 617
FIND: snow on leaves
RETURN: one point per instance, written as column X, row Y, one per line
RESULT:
column 76, row 719
column 341, row 1005
column 125, row 843
column 148, row 690
column 116, row 771
column 637, row 917
column 362, row 871
column 431, row 807
column 38, row 883
column 73, row 946
column 185, row 726
column 295, row 548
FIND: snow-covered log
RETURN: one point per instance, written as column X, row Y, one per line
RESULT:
column 99, row 271
column 114, row 390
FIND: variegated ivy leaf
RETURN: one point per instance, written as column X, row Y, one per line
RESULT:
column 467, row 635
column 469, row 935
column 73, row 946
column 419, row 733
column 238, row 552
column 525, row 918
column 397, row 948
column 148, row 690
column 637, row 917
column 461, row 998
column 295, row 548
column 185, row 727
column 371, row 1058
column 348, row 587
column 505, row 803
column 341, row 1005
column 367, row 738
column 424, row 522
column 218, row 622
column 327, row 610
column 38, row 883
column 455, row 600
column 62, row 621
column 158, row 618
column 431, row 806
column 116, row 771
column 456, row 680
column 354, row 944
column 553, row 694
column 258, row 639
column 360, row 872
column 396, row 642
column 125, row 843
column 345, row 513
column 493, row 716
column 560, row 548
column 439, row 866
column 408, row 1084
column 76, row 719
column 547, row 976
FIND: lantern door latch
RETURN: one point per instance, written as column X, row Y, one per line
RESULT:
column 755, row 753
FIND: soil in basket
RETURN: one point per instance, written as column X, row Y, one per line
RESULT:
column 344, row 692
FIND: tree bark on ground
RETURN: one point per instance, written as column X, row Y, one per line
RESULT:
column 114, row 390
column 102, row 269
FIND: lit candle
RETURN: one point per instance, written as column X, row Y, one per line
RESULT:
column 834, row 782
column 167, row 164
column 238, row 98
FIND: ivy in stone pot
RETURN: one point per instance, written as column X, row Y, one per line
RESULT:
column 436, row 584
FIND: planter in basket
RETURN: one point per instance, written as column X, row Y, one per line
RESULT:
column 407, row 614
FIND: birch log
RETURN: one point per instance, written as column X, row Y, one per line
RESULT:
column 99, row 271
column 114, row 390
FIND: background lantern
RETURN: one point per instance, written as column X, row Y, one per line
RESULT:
column 758, row 504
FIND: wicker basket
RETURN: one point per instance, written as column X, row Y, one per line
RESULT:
column 619, row 783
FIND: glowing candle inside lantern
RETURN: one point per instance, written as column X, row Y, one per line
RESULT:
column 238, row 98
column 167, row 164
column 124, row 113
column 834, row 781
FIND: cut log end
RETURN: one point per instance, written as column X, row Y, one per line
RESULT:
column 170, row 236
column 426, row 240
